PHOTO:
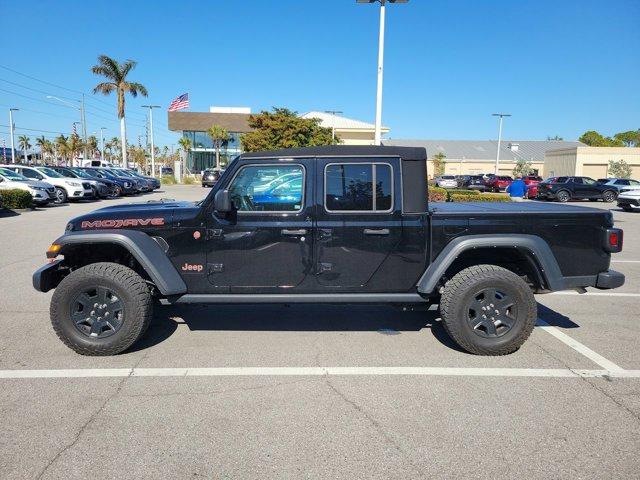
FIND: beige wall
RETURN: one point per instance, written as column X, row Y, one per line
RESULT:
column 351, row 137
column 590, row 161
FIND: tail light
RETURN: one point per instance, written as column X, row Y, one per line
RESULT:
column 614, row 240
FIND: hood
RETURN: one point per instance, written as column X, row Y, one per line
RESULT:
column 149, row 216
column 33, row 183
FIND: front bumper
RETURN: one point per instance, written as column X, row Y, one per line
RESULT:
column 609, row 279
column 628, row 201
column 48, row 276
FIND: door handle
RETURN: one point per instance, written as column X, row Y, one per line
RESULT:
column 376, row 231
column 285, row 231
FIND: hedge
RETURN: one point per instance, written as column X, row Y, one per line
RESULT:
column 15, row 198
column 168, row 180
column 437, row 194
column 463, row 192
column 486, row 197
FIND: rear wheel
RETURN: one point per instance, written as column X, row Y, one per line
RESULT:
column 609, row 196
column 101, row 309
column 488, row 310
column 563, row 196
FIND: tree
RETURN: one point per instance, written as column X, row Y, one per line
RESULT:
column 23, row 143
column 595, row 139
column 629, row 139
column 555, row 137
column 48, row 149
column 74, row 145
column 219, row 136
column 62, row 145
column 523, row 168
column 41, row 142
column 185, row 143
column 619, row 169
column 438, row 164
column 92, row 145
column 283, row 128
column 139, row 156
column 117, row 73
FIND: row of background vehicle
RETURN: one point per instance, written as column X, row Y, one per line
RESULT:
column 60, row 184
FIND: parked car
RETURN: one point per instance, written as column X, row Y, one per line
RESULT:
column 210, row 176
column 446, row 181
column 137, row 185
column 100, row 189
column 144, row 184
column 96, row 163
column 227, row 249
column 125, row 186
column 475, row 182
column 564, row 189
column 166, row 171
column 532, row 181
column 619, row 183
column 66, row 188
column 42, row 193
column 629, row 199
column 498, row 183
column 154, row 182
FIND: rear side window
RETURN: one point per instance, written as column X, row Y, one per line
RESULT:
column 358, row 187
column 561, row 180
column 622, row 182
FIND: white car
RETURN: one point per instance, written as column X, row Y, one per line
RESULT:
column 629, row 199
column 67, row 188
column 447, row 181
column 41, row 192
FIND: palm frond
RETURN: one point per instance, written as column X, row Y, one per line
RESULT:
column 105, row 88
column 126, row 67
column 135, row 88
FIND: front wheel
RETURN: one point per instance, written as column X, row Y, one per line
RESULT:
column 488, row 310
column 609, row 196
column 101, row 309
column 61, row 196
column 563, row 196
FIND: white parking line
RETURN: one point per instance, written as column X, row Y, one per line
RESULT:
column 625, row 261
column 579, row 347
column 597, row 294
column 319, row 371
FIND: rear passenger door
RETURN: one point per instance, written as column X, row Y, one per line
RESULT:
column 359, row 219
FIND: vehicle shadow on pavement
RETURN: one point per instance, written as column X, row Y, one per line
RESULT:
column 383, row 319
column 8, row 213
column 555, row 319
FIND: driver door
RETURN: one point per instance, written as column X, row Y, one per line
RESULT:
column 266, row 245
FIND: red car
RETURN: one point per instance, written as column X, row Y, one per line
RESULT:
column 532, row 182
column 498, row 183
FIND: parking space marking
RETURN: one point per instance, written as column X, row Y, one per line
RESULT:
column 319, row 371
column 579, row 347
column 625, row 261
column 597, row 294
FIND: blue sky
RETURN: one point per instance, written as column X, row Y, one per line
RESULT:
column 560, row 67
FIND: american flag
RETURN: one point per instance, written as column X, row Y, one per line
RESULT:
column 179, row 103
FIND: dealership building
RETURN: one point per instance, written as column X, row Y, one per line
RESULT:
column 590, row 161
column 235, row 120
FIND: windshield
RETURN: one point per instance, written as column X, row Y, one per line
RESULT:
column 11, row 175
column 80, row 173
column 49, row 173
column 122, row 173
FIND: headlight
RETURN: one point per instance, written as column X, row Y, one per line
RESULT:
column 73, row 184
column 127, row 184
column 39, row 188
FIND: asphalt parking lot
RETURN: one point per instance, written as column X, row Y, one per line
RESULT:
column 316, row 391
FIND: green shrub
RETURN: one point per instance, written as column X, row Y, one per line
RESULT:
column 437, row 194
column 188, row 180
column 463, row 192
column 486, row 197
column 15, row 198
column 168, row 180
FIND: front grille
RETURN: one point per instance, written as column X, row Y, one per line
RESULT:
column 51, row 190
column 86, row 186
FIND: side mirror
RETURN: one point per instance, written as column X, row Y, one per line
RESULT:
column 222, row 202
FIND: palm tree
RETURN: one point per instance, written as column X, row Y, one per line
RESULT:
column 62, row 144
column 185, row 143
column 75, row 144
column 219, row 135
column 23, row 142
column 92, row 145
column 41, row 142
column 117, row 73
column 48, row 149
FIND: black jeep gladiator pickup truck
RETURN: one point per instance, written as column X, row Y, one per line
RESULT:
column 338, row 224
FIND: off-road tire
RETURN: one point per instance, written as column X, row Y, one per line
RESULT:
column 462, row 288
column 130, row 288
column 563, row 196
column 609, row 196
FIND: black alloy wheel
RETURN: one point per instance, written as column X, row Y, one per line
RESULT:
column 97, row 312
column 609, row 196
column 491, row 312
column 563, row 196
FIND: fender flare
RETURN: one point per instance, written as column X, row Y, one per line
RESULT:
column 532, row 244
column 142, row 247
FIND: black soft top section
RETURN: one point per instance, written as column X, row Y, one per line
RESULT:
column 405, row 153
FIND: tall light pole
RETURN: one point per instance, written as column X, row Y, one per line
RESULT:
column 11, row 129
column 378, row 129
column 83, row 120
column 102, row 129
column 153, row 153
column 501, row 115
column 333, row 113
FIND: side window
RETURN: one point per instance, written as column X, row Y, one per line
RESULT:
column 634, row 182
column 358, row 187
column 30, row 174
column 268, row 188
column 622, row 182
column 588, row 181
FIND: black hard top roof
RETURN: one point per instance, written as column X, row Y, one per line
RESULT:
column 405, row 153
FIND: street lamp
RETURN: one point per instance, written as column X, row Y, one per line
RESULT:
column 11, row 128
column 102, row 129
column 153, row 153
column 501, row 115
column 82, row 118
column 378, row 130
